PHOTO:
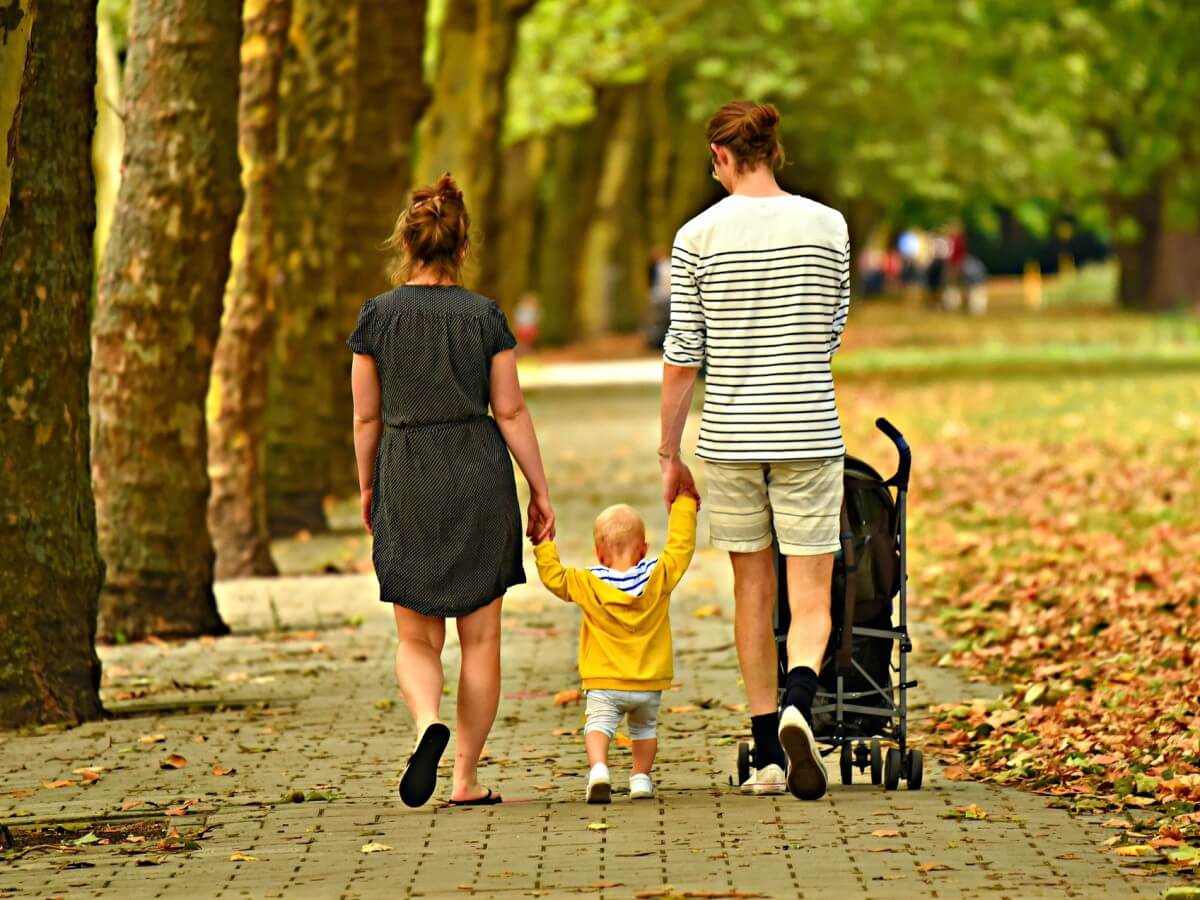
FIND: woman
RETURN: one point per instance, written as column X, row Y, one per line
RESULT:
column 436, row 480
column 760, row 289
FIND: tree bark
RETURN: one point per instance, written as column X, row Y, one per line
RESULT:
column 612, row 286
column 237, row 399
column 389, row 98
column 50, row 568
column 1137, row 255
column 16, row 26
column 313, row 134
column 568, row 202
column 461, row 133
column 109, row 142
column 523, row 166
column 158, row 313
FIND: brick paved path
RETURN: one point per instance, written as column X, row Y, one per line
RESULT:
column 301, row 698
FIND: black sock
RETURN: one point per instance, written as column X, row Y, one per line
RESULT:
column 767, row 749
column 799, row 689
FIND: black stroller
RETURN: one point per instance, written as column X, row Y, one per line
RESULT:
column 857, row 703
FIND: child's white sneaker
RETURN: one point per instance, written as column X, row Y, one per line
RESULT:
column 599, row 786
column 767, row 780
column 641, row 787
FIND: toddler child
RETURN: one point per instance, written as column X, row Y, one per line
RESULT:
column 625, row 640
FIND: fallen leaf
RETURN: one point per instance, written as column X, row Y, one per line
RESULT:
column 622, row 740
column 571, row 695
column 152, row 738
column 242, row 857
column 131, row 804
column 933, row 867
column 707, row 611
column 60, row 783
column 560, row 732
column 221, row 772
column 956, row 773
column 884, row 832
column 1134, row 850
column 881, row 849
column 1116, row 823
column 374, row 847
column 597, row 826
column 174, row 761
column 686, row 708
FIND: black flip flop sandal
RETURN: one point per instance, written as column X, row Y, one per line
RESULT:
column 420, row 775
column 491, row 798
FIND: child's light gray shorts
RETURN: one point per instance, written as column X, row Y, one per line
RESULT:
column 605, row 708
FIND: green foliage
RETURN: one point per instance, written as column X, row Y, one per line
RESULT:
column 567, row 48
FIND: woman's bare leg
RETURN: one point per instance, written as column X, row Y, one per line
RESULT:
column 419, row 664
column 478, row 695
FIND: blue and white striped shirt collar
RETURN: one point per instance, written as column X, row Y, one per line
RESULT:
column 632, row 582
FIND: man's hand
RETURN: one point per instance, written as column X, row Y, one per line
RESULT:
column 365, row 498
column 677, row 479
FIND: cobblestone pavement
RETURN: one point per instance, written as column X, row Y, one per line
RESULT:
column 300, row 703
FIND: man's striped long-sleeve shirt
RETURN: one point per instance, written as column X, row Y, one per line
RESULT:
column 760, row 290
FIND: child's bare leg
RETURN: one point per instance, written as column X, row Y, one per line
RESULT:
column 597, row 747
column 643, row 755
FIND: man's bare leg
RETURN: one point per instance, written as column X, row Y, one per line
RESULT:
column 754, row 591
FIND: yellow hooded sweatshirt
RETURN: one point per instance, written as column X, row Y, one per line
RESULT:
column 625, row 641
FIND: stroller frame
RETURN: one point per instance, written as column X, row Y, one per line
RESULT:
column 891, row 709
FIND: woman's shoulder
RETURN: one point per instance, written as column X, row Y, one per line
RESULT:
column 436, row 300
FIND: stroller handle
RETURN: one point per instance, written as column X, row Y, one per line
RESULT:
column 900, row 479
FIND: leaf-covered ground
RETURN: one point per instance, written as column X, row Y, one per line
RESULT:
column 1056, row 541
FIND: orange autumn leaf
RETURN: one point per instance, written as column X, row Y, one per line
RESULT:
column 174, row 761
column 571, row 695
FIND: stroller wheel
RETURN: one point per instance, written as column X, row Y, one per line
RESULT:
column 891, row 769
column 876, row 762
column 915, row 770
column 846, row 762
column 743, row 763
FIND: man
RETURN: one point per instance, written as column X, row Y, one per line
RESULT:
column 759, row 297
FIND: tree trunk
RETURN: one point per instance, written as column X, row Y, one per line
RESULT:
column 612, row 287
column 568, row 203
column 158, row 313
column 237, row 399
column 462, row 130
column 314, row 117
column 1137, row 255
column 1177, row 270
column 523, row 165
column 109, row 142
column 389, row 97
column 50, row 568
column 15, row 30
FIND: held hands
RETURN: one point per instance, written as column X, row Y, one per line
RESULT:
column 677, row 479
column 541, row 519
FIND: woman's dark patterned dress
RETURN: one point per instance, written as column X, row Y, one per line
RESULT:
column 444, row 508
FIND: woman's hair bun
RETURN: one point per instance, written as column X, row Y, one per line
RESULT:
column 447, row 188
column 433, row 233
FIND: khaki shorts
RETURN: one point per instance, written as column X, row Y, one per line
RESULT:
column 804, row 499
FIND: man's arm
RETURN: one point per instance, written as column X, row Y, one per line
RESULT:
column 683, row 355
column 843, row 310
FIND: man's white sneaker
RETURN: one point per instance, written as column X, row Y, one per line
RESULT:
column 641, row 787
column 806, row 776
column 767, row 780
column 599, row 787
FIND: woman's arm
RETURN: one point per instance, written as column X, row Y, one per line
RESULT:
column 368, row 426
column 516, row 425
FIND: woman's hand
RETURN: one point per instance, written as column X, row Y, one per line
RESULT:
column 365, row 498
column 677, row 479
column 541, row 519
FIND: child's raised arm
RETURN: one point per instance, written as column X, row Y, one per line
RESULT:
column 556, row 579
column 681, row 540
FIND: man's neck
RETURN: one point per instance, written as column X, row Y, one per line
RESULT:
column 758, row 182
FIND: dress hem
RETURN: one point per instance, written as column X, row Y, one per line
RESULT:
column 474, row 606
